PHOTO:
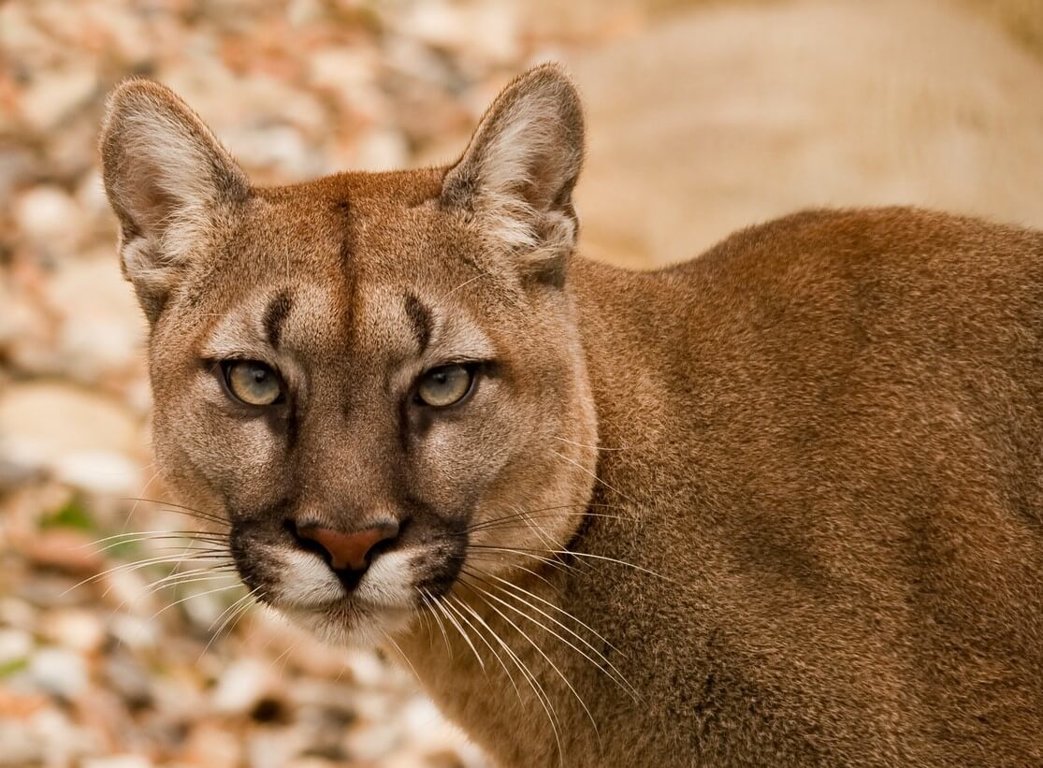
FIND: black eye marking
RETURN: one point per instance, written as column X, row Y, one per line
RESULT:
column 420, row 318
column 274, row 316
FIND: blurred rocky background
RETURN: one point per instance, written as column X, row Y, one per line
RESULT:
column 124, row 645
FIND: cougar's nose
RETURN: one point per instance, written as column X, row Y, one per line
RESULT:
column 346, row 551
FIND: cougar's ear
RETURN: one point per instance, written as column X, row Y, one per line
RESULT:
column 516, row 176
column 168, row 180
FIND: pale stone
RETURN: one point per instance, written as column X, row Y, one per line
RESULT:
column 128, row 678
column 47, row 214
column 101, row 472
column 274, row 749
column 366, row 667
column 210, row 746
column 128, row 32
column 25, row 333
column 16, row 613
column 90, row 196
column 420, row 716
column 20, row 746
column 134, row 631
column 117, row 761
column 374, row 742
column 61, row 741
column 47, row 422
column 488, row 30
column 278, row 147
column 102, row 328
column 15, row 645
column 350, row 74
column 381, row 150
column 127, row 589
column 210, row 599
column 59, row 671
column 74, row 628
column 52, row 96
column 241, row 685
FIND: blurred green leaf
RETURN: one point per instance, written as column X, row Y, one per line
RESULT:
column 73, row 514
column 12, row 666
column 124, row 548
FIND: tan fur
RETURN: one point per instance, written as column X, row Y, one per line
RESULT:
column 780, row 505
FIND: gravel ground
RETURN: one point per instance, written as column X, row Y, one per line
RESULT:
column 128, row 650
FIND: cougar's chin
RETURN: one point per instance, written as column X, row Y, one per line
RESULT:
column 349, row 623
column 364, row 611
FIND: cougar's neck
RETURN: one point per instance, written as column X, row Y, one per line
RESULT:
column 512, row 680
column 629, row 322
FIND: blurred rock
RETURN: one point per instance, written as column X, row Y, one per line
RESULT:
column 278, row 149
column 26, row 337
column 101, row 472
column 15, row 646
column 21, row 747
column 366, row 667
column 52, row 96
column 380, row 150
column 485, row 30
column 117, row 761
column 102, row 329
column 53, row 425
column 49, row 217
column 75, row 629
column 59, row 672
column 274, row 748
column 17, row 614
column 64, row 549
column 60, row 740
column 211, row 746
column 350, row 74
column 241, row 686
column 134, row 632
column 374, row 742
column 128, row 678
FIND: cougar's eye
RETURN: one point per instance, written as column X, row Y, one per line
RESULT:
column 444, row 386
column 252, row 382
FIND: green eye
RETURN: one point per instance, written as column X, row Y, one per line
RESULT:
column 444, row 386
column 252, row 383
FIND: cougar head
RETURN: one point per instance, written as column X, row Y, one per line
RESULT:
column 376, row 380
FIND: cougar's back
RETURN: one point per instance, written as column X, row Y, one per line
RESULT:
column 833, row 427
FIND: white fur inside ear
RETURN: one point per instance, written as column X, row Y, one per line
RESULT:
column 518, row 172
column 168, row 179
column 169, row 185
column 148, row 269
column 527, row 140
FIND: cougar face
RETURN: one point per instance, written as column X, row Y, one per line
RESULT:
column 375, row 379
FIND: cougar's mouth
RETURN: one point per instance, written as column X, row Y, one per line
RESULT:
column 344, row 588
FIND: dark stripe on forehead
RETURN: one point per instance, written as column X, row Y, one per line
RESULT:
column 274, row 315
column 420, row 318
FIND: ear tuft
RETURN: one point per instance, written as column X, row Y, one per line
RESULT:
column 167, row 179
column 518, row 173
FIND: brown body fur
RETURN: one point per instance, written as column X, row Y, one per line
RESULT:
column 815, row 536
column 840, row 476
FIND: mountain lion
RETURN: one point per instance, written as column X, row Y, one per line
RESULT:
column 779, row 505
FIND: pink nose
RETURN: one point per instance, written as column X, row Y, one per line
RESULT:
column 348, row 551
